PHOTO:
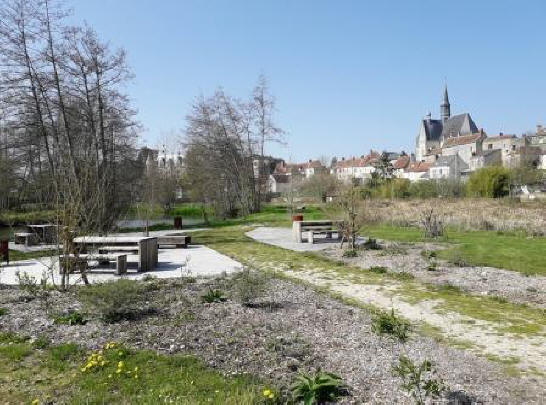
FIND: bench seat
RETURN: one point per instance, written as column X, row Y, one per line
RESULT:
column 132, row 249
column 177, row 240
column 80, row 262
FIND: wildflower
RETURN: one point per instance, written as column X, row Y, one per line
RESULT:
column 267, row 393
column 35, row 402
column 120, row 364
column 120, row 353
column 271, row 396
column 109, row 375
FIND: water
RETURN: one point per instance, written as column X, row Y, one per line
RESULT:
column 140, row 223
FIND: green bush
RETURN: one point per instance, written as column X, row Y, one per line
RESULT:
column 418, row 379
column 378, row 269
column 71, row 318
column 319, row 388
column 387, row 323
column 213, row 296
column 3, row 311
column 490, row 182
column 423, row 189
column 116, row 300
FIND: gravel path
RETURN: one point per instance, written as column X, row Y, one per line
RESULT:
column 303, row 330
column 406, row 257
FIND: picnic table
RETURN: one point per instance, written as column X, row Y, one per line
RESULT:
column 47, row 233
column 145, row 247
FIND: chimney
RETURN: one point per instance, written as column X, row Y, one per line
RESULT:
column 539, row 128
column 343, row 158
column 310, row 160
column 501, row 134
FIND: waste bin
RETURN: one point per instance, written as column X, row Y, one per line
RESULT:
column 177, row 222
column 4, row 250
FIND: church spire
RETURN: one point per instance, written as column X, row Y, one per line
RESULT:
column 445, row 109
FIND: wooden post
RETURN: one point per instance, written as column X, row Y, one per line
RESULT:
column 121, row 264
column 142, row 255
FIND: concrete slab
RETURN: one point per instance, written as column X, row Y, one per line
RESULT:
column 195, row 261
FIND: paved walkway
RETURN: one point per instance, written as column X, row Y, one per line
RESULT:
column 284, row 238
column 196, row 261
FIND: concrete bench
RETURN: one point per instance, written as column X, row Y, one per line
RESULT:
column 180, row 241
column 311, row 228
column 72, row 263
column 25, row 238
column 127, row 249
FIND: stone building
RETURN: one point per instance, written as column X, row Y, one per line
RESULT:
column 434, row 132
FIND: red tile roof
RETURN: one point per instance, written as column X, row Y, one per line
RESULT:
column 362, row 161
column 418, row 167
column 461, row 140
column 402, row 162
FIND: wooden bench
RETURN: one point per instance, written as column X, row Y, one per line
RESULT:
column 311, row 228
column 72, row 263
column 25, row 238
column 178, row 240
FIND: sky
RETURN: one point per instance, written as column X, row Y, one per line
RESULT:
column 347, row 76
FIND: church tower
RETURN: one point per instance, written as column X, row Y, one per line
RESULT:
column 445, row 109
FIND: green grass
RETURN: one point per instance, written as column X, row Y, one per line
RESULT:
column 509, row 250
column 15, row 255
column 506, row 316
column 54, row 374
column 26, row 217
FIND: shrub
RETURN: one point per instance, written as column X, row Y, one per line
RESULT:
column 378, row 269
column 41, row 342
column 492, row 182
column 387, row 323
column 319, row 388
column 213, row 296
column 423, row 189
column 3, row 311
column 114, row 301
column 350, row 253
column 249, row 286
column 418, row 380
column 371, row 244
column 434, row 228
column 71, row 318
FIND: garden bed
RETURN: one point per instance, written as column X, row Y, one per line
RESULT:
column 287, row 329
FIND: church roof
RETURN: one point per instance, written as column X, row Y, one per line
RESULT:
column 433, row 129
column 454, row 126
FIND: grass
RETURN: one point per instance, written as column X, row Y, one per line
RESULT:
column 54, row 374
column 507, row 316
column 507, row 250
column 15, row 255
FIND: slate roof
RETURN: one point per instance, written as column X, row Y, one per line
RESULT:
column 461, row 140
column 453, row 126
column 448, row 160
column 433, row 129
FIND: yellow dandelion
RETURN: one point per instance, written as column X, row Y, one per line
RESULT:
column 120, row 353
column 136, row 376
column 35, row 402
column 121, row 364
column 109, row 375
column 267, row 393
column 136, row 369
column 271, row 396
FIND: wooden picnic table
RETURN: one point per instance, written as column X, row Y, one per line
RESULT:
column 147, row 247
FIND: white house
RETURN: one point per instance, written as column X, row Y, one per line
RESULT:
column 447, row 167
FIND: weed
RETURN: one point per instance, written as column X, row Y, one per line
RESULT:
column 15, row 351
column 433, row 227
column 378, row 269
column 213, row 296
column 41, row 342
column 350, row 253
column 403, row 276
column 3, row 311
column 114, row 301
column 428, row 254
column 71, row 318
column 319, row 388
column 371, row 244
column 11, row 338
column 249, row 286
column 387, row 323
column 432, row 266
column 418, row 379
column 60, row 354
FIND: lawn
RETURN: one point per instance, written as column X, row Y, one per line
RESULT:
column 68, row 374
column 506, row 250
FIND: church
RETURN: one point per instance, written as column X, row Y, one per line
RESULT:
column 434, row 133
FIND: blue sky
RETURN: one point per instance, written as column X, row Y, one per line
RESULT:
column 348, row 76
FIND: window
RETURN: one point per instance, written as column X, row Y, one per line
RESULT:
column 490, row 146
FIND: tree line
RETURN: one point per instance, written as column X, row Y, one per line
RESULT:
column 67, row 127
